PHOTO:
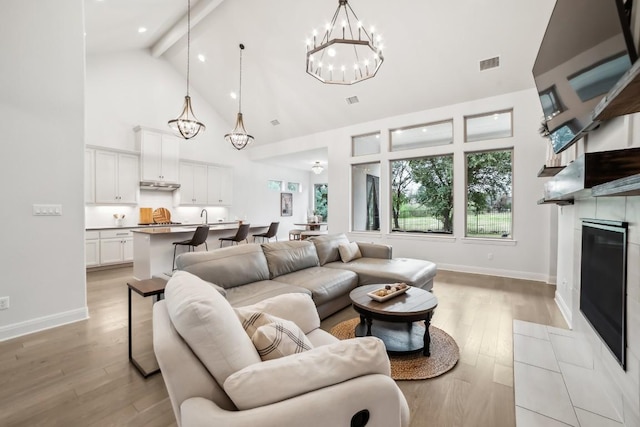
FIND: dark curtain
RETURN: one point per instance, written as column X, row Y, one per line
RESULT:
column 373, row 210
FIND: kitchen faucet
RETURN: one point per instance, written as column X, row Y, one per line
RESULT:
column 206, row 215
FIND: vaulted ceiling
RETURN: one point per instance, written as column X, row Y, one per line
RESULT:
column 432, row 53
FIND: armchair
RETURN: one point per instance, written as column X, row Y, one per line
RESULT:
column 215, row 377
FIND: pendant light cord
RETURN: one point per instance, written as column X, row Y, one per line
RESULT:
column 240, row 89
column 188, row 40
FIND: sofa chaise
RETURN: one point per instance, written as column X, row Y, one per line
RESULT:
column 247, row 274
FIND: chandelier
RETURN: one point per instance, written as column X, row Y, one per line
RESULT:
column 186, row 125
column 239, row 137
column 317, row 168
column 345, row 55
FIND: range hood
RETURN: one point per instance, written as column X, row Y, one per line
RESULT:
column 158, row 186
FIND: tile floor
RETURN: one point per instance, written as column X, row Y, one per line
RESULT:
column 554, row 380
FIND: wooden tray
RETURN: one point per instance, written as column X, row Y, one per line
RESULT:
column 375, row 297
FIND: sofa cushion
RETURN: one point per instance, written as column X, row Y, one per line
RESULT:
column 349, row 251
column 252, row 293
column 297, row 307
column 227, row 267
column 294, row 375
column 413, row 272
column 325, row 284
column 279, row 338
column 206, row 321
column 327, row 247
column 287, row 257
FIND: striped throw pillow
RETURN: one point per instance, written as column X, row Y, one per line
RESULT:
column 280, row 338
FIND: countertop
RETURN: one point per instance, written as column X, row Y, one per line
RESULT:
column 188, row 228
column 153, row 226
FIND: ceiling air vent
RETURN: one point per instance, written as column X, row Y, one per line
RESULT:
column 487, row 64
column 275, row 122
column 352, row 100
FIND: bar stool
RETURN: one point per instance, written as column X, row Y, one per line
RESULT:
column 271, row 232
column 199, row 237
column 294, row 234
column 241, row 234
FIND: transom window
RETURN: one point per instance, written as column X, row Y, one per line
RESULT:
column 424, row 135
column 480, row 127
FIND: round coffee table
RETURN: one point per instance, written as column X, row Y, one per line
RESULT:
column 395, row 318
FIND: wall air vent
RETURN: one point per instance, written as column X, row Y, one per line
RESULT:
column 352, row 100
column 275, row 122
column 487, row 64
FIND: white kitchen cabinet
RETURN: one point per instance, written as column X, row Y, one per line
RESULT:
column 220, row 186
column 160, row 153
column 117, row 177
column 193, row 185
column 92, row 248
column 116, row 246
column 89, row 176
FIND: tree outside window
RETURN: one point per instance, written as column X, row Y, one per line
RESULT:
column 422, row 195
column 321, row 200
column 489, row 194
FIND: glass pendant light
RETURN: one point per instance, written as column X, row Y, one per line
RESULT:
column 186, row 125
column 239, row 137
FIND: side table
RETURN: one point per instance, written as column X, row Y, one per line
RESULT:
column 145, row 288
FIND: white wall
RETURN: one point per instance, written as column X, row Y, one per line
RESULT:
column 42, row 120
column 127, row 89
column 530, row 252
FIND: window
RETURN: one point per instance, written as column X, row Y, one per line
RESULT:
column 365, row 185
column 489, row 193
column 365, row 144
column 480, row 127
column 422, row 195
column 293, row 186
column 425, row 135
column 321, row 200
column 274, row 185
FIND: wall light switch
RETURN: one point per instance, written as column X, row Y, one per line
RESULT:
column 47, row 210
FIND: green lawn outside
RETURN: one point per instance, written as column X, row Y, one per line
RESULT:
column 493, row 224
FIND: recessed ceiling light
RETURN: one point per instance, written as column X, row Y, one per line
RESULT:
column 233, row 95
column 275, row 122
column 202, row 58
column 142, row 30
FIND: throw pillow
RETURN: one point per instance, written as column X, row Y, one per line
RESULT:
column 349, row 251
column 251, row 319
column 280, row 338
column 298, row 308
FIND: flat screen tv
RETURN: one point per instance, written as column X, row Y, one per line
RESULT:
column 603, row 282
column 586, row 48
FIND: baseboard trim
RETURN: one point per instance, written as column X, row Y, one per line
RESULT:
column 43, row 323
column 495, row 272
column 564, row 309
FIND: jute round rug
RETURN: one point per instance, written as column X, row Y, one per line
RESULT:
column 444, row 354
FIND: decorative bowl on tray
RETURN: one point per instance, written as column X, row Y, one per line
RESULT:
column 388, row 291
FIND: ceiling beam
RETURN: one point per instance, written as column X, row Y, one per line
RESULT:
column 179, row 29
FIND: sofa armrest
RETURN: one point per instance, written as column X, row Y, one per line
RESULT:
column 331, row 406
column 375, row 250
column 304, row 372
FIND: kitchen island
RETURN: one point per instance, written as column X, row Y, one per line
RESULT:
column 153, row 247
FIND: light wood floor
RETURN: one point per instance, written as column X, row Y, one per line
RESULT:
column 79, row 374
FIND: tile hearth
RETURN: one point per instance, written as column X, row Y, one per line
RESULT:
column 555, row 382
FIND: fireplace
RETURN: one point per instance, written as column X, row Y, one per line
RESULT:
column 603, row 281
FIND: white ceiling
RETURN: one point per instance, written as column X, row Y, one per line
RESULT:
column 432, row 50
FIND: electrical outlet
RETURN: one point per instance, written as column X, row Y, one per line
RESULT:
column 4, row 303
column 490, row 255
